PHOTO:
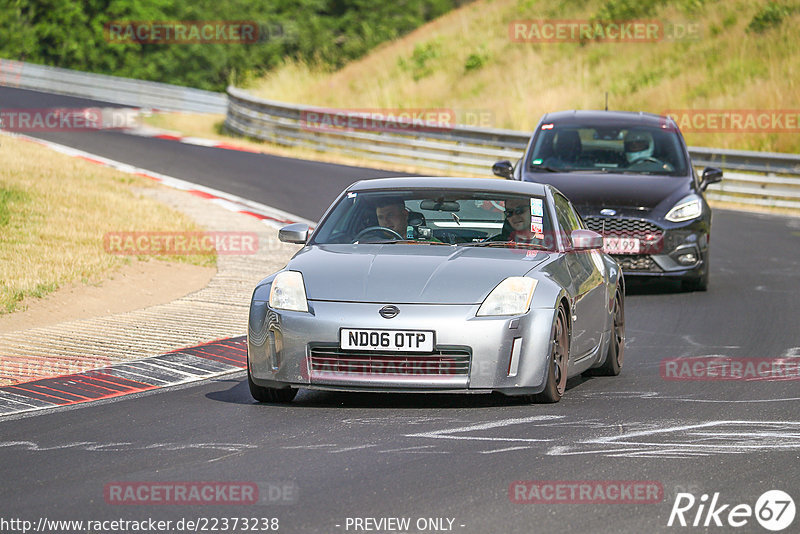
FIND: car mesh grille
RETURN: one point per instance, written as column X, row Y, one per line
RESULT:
column 637, row 263
column 441, row 363
column 618, row 226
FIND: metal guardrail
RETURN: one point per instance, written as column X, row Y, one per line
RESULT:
column 113, row 89
column 758, row 178
column 766, row 178
column 458, row 149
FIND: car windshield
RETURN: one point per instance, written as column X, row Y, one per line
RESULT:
column 437, row 217
column 626, row 149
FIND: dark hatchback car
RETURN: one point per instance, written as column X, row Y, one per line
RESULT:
column 630, row 177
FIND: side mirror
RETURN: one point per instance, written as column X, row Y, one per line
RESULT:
column 711, row 175
column 586, row 240
column 503, row 169
column 294, row 233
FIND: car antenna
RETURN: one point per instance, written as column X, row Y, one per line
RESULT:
column 606, row 100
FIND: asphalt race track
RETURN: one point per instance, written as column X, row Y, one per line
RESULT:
column 435, row 459
column 305, row 188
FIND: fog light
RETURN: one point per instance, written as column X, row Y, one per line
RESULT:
column 687, row 259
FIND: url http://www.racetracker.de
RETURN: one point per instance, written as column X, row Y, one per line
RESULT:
column 44, row 525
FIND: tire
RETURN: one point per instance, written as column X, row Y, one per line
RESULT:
column 558, row 362
column 700, row 283
column 262, row 394
column 616, row 346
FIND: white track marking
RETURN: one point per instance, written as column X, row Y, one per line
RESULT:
column 699, row 439
column 521, row 447
column 448, row 433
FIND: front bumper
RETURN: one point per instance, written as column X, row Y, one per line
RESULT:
column 472, row 354
column 669, row 250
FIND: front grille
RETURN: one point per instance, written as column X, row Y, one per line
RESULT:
column 442, row 363
column 637, row 263
column 618, row 226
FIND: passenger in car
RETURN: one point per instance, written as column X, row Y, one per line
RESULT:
column 517, row 223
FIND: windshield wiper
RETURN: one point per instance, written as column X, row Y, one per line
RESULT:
column 504, row 244
column 596, row 170
column 401, row 241
column 547, row 168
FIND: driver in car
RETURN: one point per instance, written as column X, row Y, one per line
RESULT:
column 638, row 146
column 392, row 214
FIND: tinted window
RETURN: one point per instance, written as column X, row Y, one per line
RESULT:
column 629, row 149
column 442, row 216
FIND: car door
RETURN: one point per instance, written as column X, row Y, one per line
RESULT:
column 588, row 281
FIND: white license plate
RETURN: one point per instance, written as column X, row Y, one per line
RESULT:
column 621, row 245
column 386, row 340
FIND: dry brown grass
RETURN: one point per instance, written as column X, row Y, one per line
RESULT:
column 57, row 209
column 727, row 68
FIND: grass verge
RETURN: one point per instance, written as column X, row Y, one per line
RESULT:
column 54, row 212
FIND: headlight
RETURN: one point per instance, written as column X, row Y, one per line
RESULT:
column 686, row 209
column 288, row 292
column 511, row 297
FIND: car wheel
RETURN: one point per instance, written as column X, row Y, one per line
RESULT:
column 262, row 394
column 559, row 356
column 616, row 346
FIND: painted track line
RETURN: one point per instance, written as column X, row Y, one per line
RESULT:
column 180, row 366
column 201, row 362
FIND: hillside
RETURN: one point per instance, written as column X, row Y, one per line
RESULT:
column 161, row 40
column 738, row 55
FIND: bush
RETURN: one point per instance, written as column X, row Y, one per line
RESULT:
column 475, row 61
column 770, row 15
column 419, row 62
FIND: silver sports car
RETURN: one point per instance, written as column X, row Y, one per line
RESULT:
column 439, row 285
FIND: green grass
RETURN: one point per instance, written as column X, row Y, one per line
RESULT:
column 9, row 199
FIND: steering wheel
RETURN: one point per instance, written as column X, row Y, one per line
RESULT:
column 651, row 159
column 377, row 230
column 647, row 159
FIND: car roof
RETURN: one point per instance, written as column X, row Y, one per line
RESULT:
column 436, row 182
column 600, row 117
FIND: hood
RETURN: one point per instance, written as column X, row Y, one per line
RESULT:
column 614, row 190
column 408, row 274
